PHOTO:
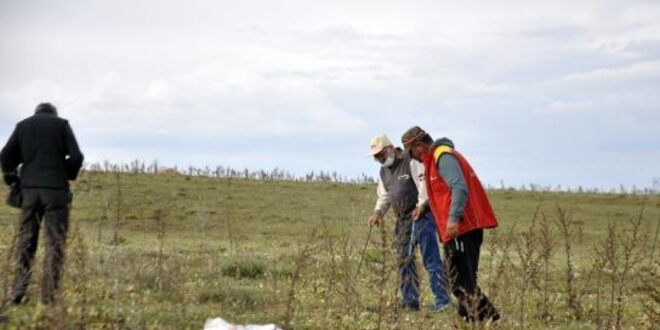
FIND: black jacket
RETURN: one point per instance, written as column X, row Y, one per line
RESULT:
column 46, row 147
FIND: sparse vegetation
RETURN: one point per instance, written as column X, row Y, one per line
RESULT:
column 164, row 250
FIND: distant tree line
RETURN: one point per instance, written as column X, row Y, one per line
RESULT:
column 226, row 172
column 654, row 189
column 278, row 174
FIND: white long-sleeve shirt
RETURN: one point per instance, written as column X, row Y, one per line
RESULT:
column 383, row 202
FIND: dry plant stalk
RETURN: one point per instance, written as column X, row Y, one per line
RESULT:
column 528, row 257
column 547, row 241
column 567, row 230
column 80, row 253
column 382, row 283
column 295, row 277
column 631, row 245
column 6, row 269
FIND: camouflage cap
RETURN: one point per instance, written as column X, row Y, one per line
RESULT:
column 412, row 135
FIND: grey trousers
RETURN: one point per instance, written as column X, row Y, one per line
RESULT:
column 52, row 207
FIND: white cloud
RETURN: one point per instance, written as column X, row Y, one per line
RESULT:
column 147, row 77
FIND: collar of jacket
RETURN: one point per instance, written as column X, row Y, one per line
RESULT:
column 46, row 112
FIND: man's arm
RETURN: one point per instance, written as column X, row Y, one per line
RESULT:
column 451, row 172
column 382, row 205
column 75, row 157
column 383, row 202
column 10, row 158
column 417, row 171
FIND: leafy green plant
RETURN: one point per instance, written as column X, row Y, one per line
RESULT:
column 244, row 269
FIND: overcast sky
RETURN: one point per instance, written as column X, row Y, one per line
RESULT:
column 544, row 92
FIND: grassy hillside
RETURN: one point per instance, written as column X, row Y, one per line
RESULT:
column 169, row 251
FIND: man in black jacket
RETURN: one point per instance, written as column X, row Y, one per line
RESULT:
column 46, row 150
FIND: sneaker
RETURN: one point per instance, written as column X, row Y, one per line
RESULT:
column 437, row 308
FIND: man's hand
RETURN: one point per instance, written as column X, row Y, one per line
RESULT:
column 418, row 212
column 452, row 229
column 375, row 219
column 10, row 178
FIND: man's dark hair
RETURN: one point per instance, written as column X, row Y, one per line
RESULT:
column 46, row 108
column 426, row 139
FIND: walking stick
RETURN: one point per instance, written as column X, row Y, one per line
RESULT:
column 363, row 251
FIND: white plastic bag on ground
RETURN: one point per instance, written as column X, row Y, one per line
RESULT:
column 220, row 324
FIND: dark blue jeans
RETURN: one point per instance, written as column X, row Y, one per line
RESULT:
column 425, row 235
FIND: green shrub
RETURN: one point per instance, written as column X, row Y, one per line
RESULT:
column 244, row 269
column 241, row 299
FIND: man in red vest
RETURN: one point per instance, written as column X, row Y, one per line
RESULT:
column 461, row 210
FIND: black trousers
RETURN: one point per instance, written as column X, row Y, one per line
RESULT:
column 462, row 256
column 51, row 206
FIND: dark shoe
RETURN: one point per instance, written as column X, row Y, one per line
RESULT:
column 409, row 307
column 493, row 318
column 489, row 315
column 13, row 301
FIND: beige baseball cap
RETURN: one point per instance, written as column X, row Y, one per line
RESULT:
column 378, row 143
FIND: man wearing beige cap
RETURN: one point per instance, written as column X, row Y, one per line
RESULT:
column 462, row 210
column 401, row 186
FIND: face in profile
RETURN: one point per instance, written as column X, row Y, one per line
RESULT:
column 416, row 151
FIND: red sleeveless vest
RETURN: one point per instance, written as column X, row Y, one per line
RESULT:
column 478, row 212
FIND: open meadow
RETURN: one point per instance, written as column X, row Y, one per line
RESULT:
column 168, row 251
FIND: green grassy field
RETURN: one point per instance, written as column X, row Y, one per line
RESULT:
column 168, row 251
